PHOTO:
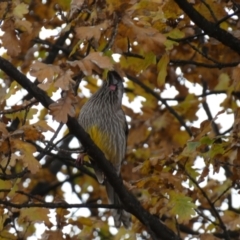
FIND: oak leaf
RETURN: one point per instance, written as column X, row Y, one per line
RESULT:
column 20, row 10
column 87, row 33
column 93, row 62
column 64, row 107
column 9, row 39
column 44, row 71
column 34, row 215
column 162, row 69
column 181, row 206
column 27, row 151
column 64, row 80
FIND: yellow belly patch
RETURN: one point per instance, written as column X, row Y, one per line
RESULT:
column 100, row 139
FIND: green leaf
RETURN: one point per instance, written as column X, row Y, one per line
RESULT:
column 190, row 148
column 175, row 34
column 181, row 206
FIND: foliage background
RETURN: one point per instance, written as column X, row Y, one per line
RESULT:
column 161, row 44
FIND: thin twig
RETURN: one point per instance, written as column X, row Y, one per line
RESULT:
column 22, row 108
column 201, row 64
column 114, row 33
column 211, row 204
column 210, row 10
column 154, row 94
column 42, row 154
column 14, row 175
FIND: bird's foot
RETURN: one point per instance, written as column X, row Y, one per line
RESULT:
column 80, row 159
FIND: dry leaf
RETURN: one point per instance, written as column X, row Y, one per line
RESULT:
column 90, row 32
column 76, row 5
column 9, row 39
column 63, row 108
column 93, row 62
column 44, row 71
column 27, row 150
column 64, row 80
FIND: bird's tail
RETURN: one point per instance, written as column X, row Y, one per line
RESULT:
column 119, row 215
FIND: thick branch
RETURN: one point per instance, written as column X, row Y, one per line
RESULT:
column 130, row 203
column 209, row 28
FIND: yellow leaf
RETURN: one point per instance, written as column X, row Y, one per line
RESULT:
column 34, row 215
column 27, row 150
column 181, row 206
column 85, row 221
column 175, row 34
column 20, row 10
column 223, row 82
column 162, row 69
column 31, row 133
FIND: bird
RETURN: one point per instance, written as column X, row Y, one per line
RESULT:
column 103, row 118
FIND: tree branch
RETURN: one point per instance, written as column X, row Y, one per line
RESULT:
column 209, row 28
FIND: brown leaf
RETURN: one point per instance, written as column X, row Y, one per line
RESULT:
column 63, row 108
column 64, row 80
column 93, row 62
column 23, row 25
column 87, row 33
column 27, row 150
column 9, row 39
column 44, row 71
column 75, row 6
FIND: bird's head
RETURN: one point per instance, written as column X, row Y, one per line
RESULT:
column 114, row 83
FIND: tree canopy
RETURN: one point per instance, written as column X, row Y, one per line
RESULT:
column 181, row 175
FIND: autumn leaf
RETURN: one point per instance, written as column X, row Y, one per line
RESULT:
column 224, row 81
column 23, row 25
column 64, row 81
column 44, row 71
column 149, row 38
column 3, row 130
column 9, row 39
column 162, row 69
column 93, row 62
column 31, row 133
column 85, row 221
column 42, row 126
column 20, row 10
column 34, row 215
column 27, row 151
column 76, row 5
column 181, row 206
column 90, row 32
column 63, row 108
